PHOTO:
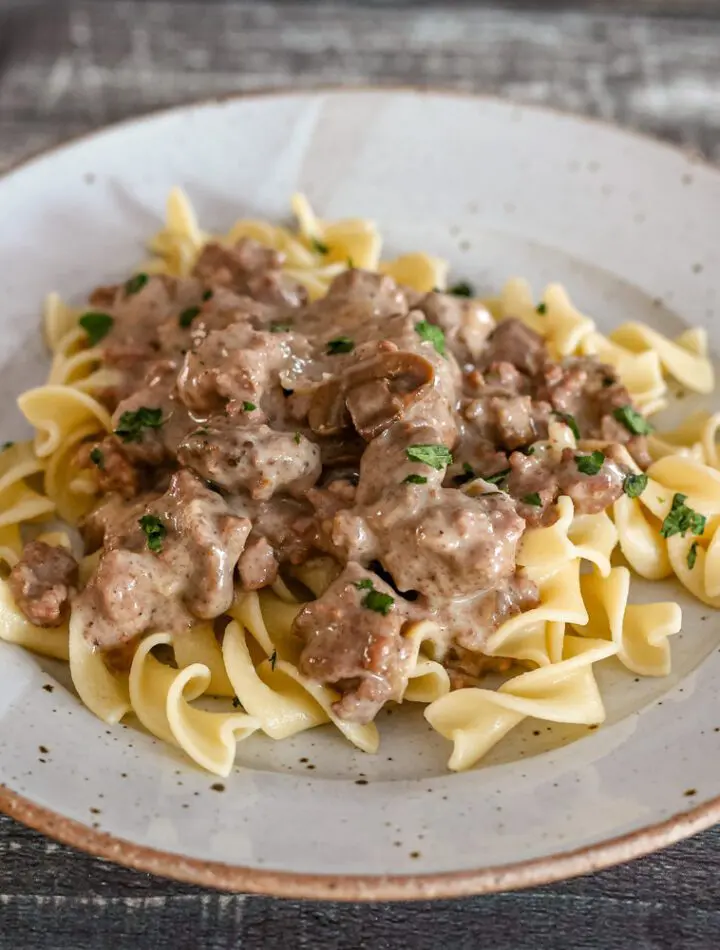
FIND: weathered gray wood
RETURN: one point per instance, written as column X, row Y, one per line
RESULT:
column 69, row 67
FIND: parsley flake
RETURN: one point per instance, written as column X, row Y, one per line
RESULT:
column 541, row 308
column 431, row 334
column 97, row 458
column 350, row 263
column 97, row 325
column 497, row 477
column 632, row 420
column 207, row 295
column 342, row 344
column 273, row 660
column 532, row 499
column 249, row 407
column 135, row 284
column 468, row 473
column 635, row 485
column 319, row 246
column 590, row 464
column 608, row 381
column 236, row 702
column 681, row 519
column 692, row 555
column 364, row 584
column 569, row 422
column 187, row 316
column 131, row 424
column 6, row 446
column 436, row 456
column 461, row 289
column 155, row 532
column 297, row 438
column 413, row 479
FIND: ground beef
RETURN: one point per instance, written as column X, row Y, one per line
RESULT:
column 42, row 583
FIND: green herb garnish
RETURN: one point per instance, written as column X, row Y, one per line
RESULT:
column 436, row 456
column 319, row 246
column 632, row 420
column 569, row 421
column 681, row 519
column 297, row 438
column 207, row 295
column 413, row 479
column 541, row 308
column 6, row 446
column 461, row 289
column 187, row 316
column 431, row 334
column 97, row 458
column 635, row 485
column 692, row 555
column 131, row 424
column 135, row 283
column 532, row 499
column 590, row 464
column 608, row 381
column 273, row 660
column 497, row 477
column 379, row 602
column 96, row 325
column 236, row 702
column 350, row 263
column 342, row 344
column 249, row 407
column 155, row 532
column 364, row 584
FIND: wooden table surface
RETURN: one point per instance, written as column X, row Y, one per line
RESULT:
column 69, row 67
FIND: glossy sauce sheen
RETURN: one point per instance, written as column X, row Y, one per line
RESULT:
column 351, row 427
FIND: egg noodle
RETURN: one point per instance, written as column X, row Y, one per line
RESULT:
column 584, row 615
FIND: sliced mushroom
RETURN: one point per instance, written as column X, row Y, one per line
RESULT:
column 373, row 394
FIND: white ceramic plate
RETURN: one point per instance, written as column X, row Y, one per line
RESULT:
column 633, row 229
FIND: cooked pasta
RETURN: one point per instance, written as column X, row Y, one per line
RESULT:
column 310, row 481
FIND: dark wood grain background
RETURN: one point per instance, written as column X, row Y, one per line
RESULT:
column 69, row 67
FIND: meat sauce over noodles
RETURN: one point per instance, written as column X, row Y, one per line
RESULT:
column 396, row 433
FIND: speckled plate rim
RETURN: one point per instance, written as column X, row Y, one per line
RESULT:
column 222, row 876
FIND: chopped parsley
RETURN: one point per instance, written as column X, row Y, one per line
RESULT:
column 436, row 456
column 341, row 344
column 468, row 473
column 692, row 555
column 431, row 334
column 187, row 316
column 379, row 602
column 569, row 421
column 608, row 381
column 532, row 499
column 155, row 532
column 527, row 449
column 207, row 295
column 273, row 660
column 635, row 485
column 590, row 464
column 279, row 327
column 135, row 284
column 297, row 438
column 236, row 702
column 97, row 325
column 131, row 424
column 6, row 446
column 541, row 308
column 632, row 420
column 319, row 246
column 681, row 519
column 249, row 407
column 497, row 477
column 461, row 289
column 364, row 584
column 413, row 479
column 97, row 458
column 350, row 263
